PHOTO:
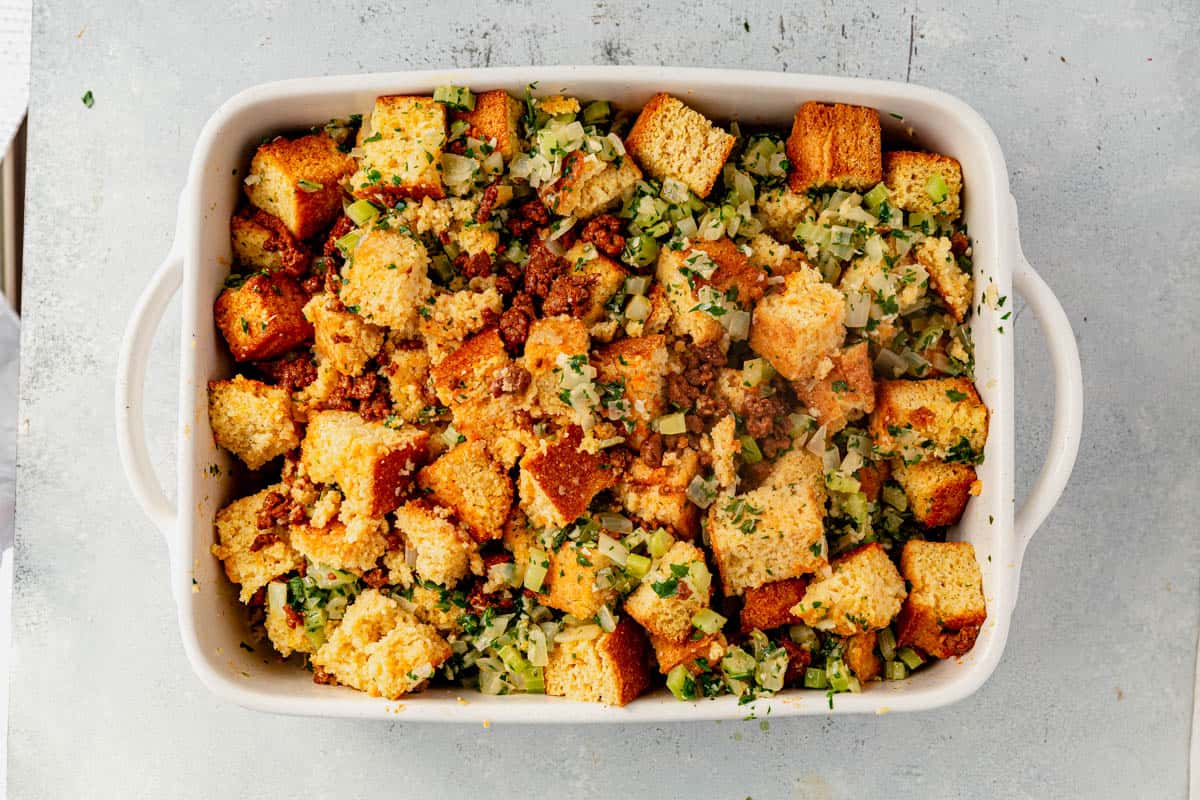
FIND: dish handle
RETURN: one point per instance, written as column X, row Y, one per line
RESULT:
column 131, row 378
column 1068, row 399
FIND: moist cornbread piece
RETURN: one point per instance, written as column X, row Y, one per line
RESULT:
column 726, row 453
column 402, row 144
column 559, row 480
column 342, row 338
column 937, row 492
column 635, row 368
column 371, row 462
column 446, row 553
column 795, row 468
column 738, row 281
column 863, row 593
column 382, row 649
column 298, row 181
column 606, row 278
column 251, row 419
column 665, row 601
column 954, row 286
column 286, row 636
column 571, row 578
column 354, row 548
column 670, row 140
column 945, row 606
column 767, row 535
column 406, row 367
column 588, row 185
column 386, row 282
column 657, row 496
column 770, row 605
column 797, row 327
column 610, row 668
column 908, row 175
column 859, row 652
column 845, row 393
column 834, row 145
column 940, row 417
column 448, row 318
column 781, row 210
column 261, row 241
column 262, row 317
column 495, row 118
column 252, row 556
column 478, row 490
column 697, row 655
column 774, row 256
column 548, row 339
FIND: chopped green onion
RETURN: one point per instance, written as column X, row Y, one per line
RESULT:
column 660, row 543
column 815, row 678
column 597, row 112
column 458, row 98
column 887, row 644
column 910, row 657
column 671, row 424
column 681, row 683
column 750, row 452
column 361, row 212
column 936, row 188
column 637, row 565
column 535, row 572
column 347, row 243
column 757, row 371
column 894, row 671
column 708, row 621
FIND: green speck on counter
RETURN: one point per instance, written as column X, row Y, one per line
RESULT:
column 764, row 725
column 88, row 99
column 746, row 25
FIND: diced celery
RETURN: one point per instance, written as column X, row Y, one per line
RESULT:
column 597, row 112
column 804, row 636
column 894, row 496
column 637, row 565
column 659, row 229
column 681, row 683
column 458, row 98
column 936, row 188
column 894, row 671
column 671, row 424
column 347, row 243
column 919, row 220
column 750, row 452
column 660, row 542
column 815, row 678
column 838, row 675
column 640, row 250
column 535, row 571
column 533, row 680
column 887, row 644
column 361, row 212
column 512, row 658
column 838, row 482
column 910, row 657
column 876, row 196
column 708, row 621
column 756, row 371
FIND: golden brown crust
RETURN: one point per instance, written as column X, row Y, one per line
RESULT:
column 937, row 492
column 263, row 318
column 282, row 164
column 669, row 139
column 770, row 605
column 671, row 654
column 564, row 479
column 859, row 652
column 467, row 480
column 845, row 393
column 834, row 145
column 496, row 116
column 625, row 652
column 262, row 242
column 945, row 607
column 907, row 174
column 943, row 411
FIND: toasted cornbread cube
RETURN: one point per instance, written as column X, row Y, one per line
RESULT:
column 781, row 210
column 262, row 242
column 670, row 140
column 608, row 277
column 665, row 601
column 453, row 316
column 548, row 339
column 737, row 280
column 726, row 453
column 386, row 280
column 439, row 607
column 696, row 655
column 286, row 633
column 908, row 174
column 445, row 552
column 372, row 463
column 353, row 548
column 954, row 286
column 860, row 656
column 406, row 367
column 847, row 391
column 937, row 492
column 635, row 369
column 496, row 118
column 478, row 490
column 940, row 417
column 871, row 477
column 342, row 338
column 658, row 496
column 466, row 374
column 770, row 605
column 863, row 593
column 382, row 649
column 252, row 556
column 659, row 317
column 834, row 145
column 796, row 468
column 251, row 420
column 797, row 327
column 298, row 181
column 262, row 318
column 588, row 186
column 402, row 150
column 945, row 606
column 767, row 535
column 610, row 668
column 558, row 480
column 775, row 257
column 570, row 583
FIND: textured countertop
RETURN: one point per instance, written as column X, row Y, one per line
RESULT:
column 1095, row 107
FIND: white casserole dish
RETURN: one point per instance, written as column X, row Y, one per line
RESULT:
column 212, row 623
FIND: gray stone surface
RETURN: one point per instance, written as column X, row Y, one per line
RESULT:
column 1095, row 106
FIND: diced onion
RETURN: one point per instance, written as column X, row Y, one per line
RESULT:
column 606, row 619
column 738, row 324
column 578, row 633
column 816, row 444
column 890, row 364
column 615, row 522
column 858, row 309
column 702, row 492
column 560, row 226
column 611, row 549
column 637, row 284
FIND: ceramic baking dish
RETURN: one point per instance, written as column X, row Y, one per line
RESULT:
column 210, row 619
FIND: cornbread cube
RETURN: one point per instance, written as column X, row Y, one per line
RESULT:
column 570, row 583
column 657, row 496
column 740, row 282
column 382, row 649
column 252, row 556
column 697, row 655
column 798, row 468
column 659, row 317
column 286, row 637
column 372, row 463
column 445, row 552
column 847, row 391
column 298, row 181
column 665, row 602
column 558, row 480
column 519, row 536
column 251, row 420
column 386, row 280
column 439, row 607
column 262, row 317
column 406, row 367
column 937, row 492
column 942, row 417
column 954, row 286
column 548, row 339
column 342, row 339
column 495, row 118
column 731, row 387
column 476, row 488
column 767, row 535
column 780, row 210
column 860, row 656
column 610, row 668
column 908, row 174
column 402, row 145
column 589, row 186
column 608, row 277
column 834, row 145
column 863, row 593
column 670, row 140
column 466, row 374
column 637, row 366
column 797, row 327
column 354, row 547
column 871, row 477
column 775, row 257
column 262, row 242
column 446, row 322
column 945, row 606
column 770, row 605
